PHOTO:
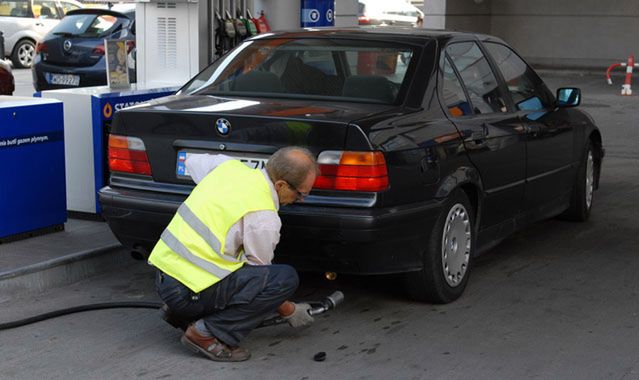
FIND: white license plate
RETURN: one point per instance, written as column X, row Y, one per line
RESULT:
column 250, row 161
column 63, row 79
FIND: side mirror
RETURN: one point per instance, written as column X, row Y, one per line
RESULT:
column 568, row 97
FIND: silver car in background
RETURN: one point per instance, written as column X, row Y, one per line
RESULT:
column 24, row 22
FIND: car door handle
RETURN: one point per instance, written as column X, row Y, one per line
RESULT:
column 533, row 129
column 480, row 135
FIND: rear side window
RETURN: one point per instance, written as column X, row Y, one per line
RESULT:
column 478, row 77
column 360, row 71
column 525, row 87
column 90, row 25
column 454, row 97
column 19, row 8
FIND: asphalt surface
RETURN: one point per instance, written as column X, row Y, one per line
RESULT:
column 556, row 301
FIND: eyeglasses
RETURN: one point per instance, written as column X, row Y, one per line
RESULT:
column 299, row 196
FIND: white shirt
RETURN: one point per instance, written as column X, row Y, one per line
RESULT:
column 257, row 232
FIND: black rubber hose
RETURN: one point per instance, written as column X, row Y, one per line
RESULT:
column 78, row 309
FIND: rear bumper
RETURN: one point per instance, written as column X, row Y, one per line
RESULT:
column 89, row 76
column 338, row 239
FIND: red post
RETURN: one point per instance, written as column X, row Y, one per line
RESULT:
column 625, row 89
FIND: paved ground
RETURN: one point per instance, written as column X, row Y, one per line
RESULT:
column 557, row 301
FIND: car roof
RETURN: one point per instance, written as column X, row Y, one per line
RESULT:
column 407, row 34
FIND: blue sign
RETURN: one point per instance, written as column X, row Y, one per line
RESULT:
column 316, row 13
column 103, row 108
column 32, row 176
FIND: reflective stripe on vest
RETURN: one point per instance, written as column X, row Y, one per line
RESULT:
column 177, row 247
column 191, row 247
column 198, row 226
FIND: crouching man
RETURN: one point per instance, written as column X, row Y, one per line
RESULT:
column 214, row 258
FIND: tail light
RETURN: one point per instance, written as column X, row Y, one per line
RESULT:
column 352, row 171
column 41, row 48
column 128, row 154
column 98, row 50
column 130, row 45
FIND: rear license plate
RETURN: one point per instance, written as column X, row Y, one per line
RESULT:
column 62, row 79
column 250, row 161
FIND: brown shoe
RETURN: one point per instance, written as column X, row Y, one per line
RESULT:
column 212, row 348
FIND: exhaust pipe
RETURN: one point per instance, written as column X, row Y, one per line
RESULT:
column 139, row 253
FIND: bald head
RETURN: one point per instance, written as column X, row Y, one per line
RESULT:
column 292, row 164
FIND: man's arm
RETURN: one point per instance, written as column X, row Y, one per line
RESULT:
column 261, row 235
column 199, row 165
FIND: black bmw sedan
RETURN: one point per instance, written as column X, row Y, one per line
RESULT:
column 72, row 54
column 433, row 146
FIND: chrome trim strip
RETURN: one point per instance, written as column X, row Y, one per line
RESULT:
column 533, row 178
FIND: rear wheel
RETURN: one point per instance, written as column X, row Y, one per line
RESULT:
column 448, row 256
column 583, row 189
column 23, row 54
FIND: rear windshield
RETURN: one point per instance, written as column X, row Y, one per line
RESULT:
column 90, row 25
column 335, row 69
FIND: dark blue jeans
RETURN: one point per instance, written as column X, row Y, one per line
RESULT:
column 233, row 307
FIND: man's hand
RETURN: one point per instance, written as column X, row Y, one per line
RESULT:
column 300, row 316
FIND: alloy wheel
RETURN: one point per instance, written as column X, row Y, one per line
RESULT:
column 26, row 53
column 456, row 243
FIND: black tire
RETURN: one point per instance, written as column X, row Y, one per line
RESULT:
column 23, row 54
column 434, row 283
column 583, row 189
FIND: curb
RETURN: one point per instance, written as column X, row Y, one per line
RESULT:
column 61, row 270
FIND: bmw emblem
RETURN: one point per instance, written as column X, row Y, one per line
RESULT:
column 67, row 45
column 223, row 126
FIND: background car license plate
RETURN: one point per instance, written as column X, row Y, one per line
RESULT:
column 63, row 79
column 250, row 161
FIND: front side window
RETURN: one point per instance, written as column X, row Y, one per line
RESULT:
column 478, row 77
column 19, row 8
column 308, row 68
column 526, row 89
column 454, row 97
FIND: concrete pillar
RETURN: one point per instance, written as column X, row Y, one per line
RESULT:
column 280, row 14
column 434, row 14
column 346, row 13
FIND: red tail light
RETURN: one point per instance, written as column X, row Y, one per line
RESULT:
column 128, row 154
column 129, row 46
column 99, row 50
column 41, row 48
column 352, row 171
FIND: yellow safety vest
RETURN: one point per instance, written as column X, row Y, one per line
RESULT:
column 191, row 247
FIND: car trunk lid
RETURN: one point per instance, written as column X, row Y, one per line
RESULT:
column 68, row 50
column 245, row 128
